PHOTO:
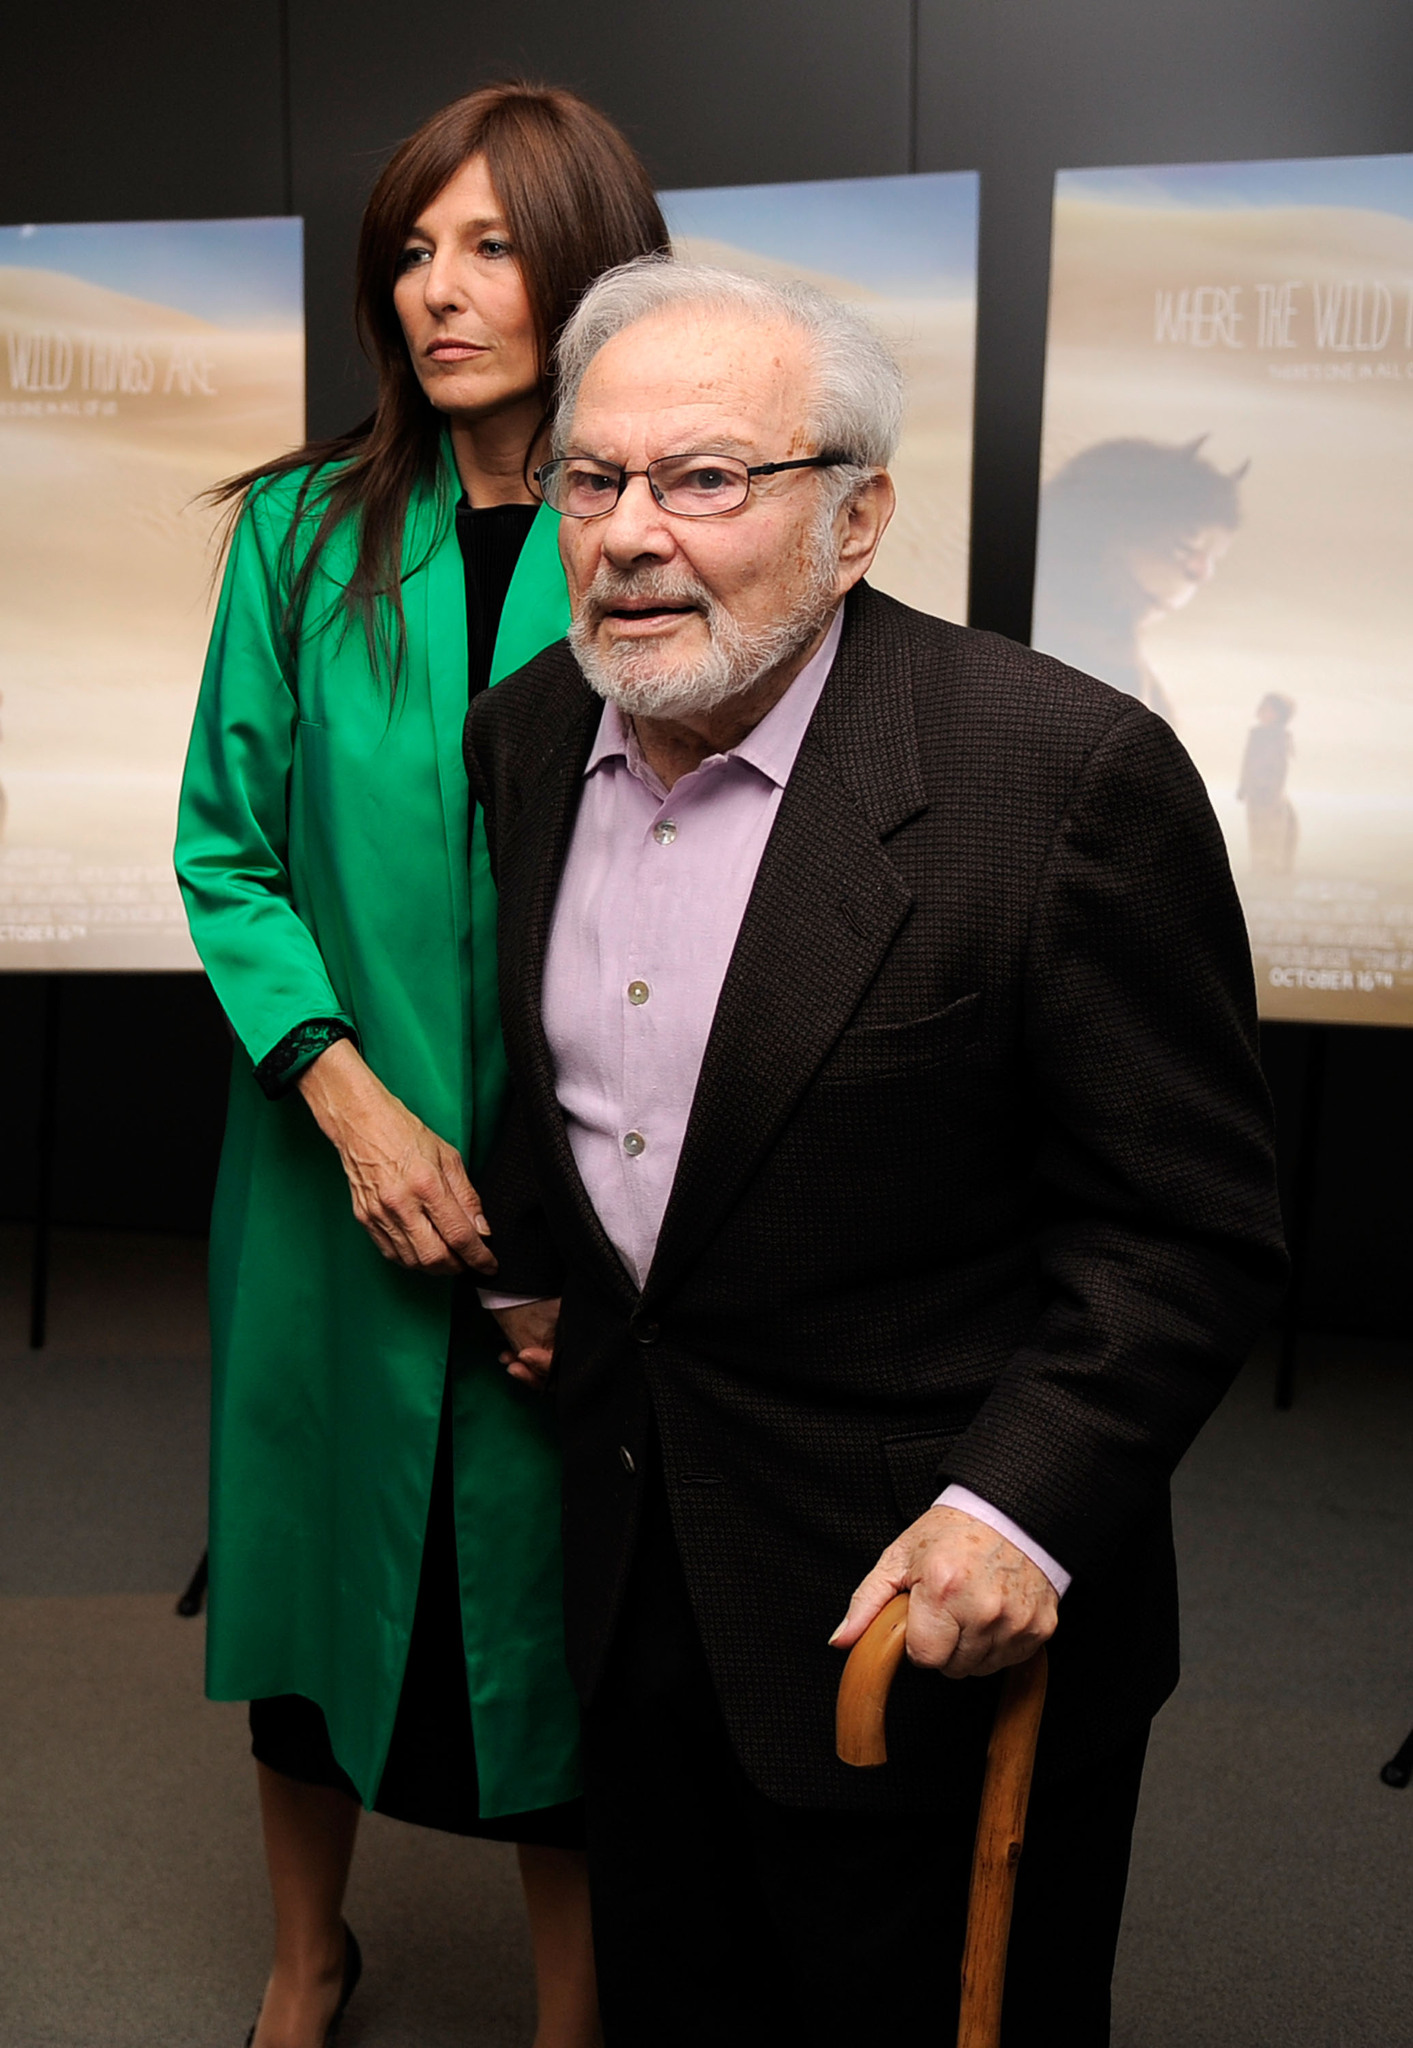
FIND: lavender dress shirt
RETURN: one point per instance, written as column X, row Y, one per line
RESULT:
column 654, row 889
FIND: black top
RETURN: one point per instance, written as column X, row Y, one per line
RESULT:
column 490, row 538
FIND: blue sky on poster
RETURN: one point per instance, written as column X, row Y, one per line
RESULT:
column 1379, row 184
column 234, row 273
column 901, row 237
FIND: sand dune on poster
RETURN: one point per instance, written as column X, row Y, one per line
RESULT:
column 106, row 560
column 1314, row 597
column 923, row 559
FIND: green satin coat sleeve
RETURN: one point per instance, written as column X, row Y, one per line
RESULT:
column 233, row 847
column 322, row 850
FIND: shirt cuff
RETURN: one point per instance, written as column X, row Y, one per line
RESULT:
column 492, row 1301
column 285, row 1062
column 982, row 1511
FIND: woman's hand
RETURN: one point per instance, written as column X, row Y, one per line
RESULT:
column 409, row 1188
column 529, row 1331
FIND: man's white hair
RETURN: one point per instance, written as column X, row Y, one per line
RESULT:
column 854, row 406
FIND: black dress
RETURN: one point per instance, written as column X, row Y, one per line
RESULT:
column 430, row 1773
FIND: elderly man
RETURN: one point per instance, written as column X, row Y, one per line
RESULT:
column 888, row 1117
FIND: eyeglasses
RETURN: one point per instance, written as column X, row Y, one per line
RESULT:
column 693, row 486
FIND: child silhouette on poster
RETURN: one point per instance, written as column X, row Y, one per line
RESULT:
column 1271, row 822
column 1129, row 531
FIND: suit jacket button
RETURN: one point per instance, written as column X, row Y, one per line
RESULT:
column 627, row 1457
column 647, row 1333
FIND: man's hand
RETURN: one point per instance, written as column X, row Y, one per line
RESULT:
column 529, row 1334
column 409, row 1187
column 977, row 1603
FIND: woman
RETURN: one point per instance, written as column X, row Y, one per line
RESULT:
column 322, row 850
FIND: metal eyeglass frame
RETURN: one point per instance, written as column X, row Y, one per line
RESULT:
column 625, row 477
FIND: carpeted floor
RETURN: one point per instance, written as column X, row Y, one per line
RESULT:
column 1272, row 1870
column 131, row 1895
column 132, row 1905
column 1271, row 1867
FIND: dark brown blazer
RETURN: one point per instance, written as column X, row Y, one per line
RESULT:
column 977, row 1186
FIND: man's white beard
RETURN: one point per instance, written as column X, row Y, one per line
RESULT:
column 634, row 674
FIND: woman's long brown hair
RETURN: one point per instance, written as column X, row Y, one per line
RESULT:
column 577, row 201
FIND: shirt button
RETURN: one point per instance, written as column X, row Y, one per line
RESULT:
column 634, row 1143
column 638, row 992
column 665, row 832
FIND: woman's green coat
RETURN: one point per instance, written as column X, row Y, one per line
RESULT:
column 322, row 850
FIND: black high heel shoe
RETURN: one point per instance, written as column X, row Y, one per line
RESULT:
column 352, row 1971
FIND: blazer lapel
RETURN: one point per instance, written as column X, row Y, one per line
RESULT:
column 532, row 856
column 824, row 910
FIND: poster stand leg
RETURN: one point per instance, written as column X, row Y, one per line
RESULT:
column 194, row 1597
column 1399, row 1769
column 45, row 1140
column 1301, row 1201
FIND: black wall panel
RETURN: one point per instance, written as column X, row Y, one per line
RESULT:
column 143, row 1061
column 1361, row 1218
column 21, row 1016
column 166, row 111
column 264, row 106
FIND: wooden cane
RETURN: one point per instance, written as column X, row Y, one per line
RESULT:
column 1005, row 1792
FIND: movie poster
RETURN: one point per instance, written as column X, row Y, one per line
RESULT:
column 904, row 251
column 1226, row 529
column 143, row 360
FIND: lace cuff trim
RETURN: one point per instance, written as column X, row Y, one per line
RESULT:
column 283, row 1064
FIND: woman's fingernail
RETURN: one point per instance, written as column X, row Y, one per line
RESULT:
column 481, row 1224
column 840, row 1630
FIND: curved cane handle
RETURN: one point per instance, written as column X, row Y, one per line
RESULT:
column 863, row 1689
